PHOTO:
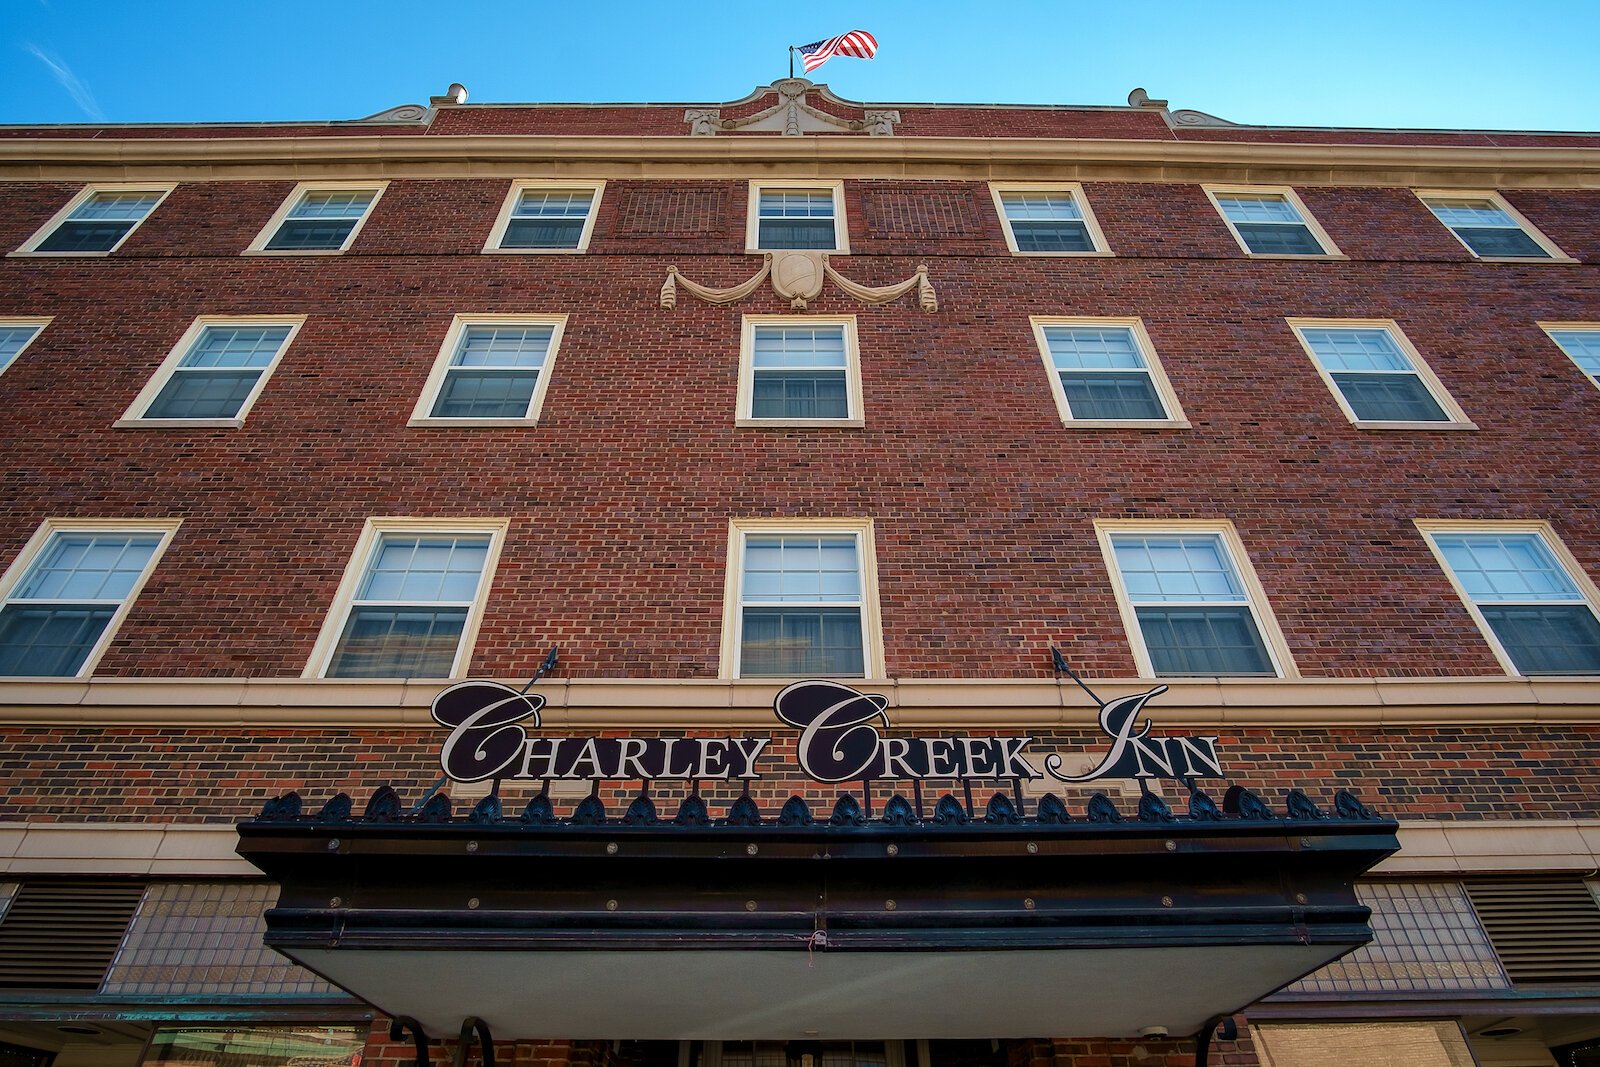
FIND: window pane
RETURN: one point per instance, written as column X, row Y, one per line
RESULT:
column 245, row 346
column 503, row 346
column 800, row 395
column 122, row 207
column 1389, row 398
column 796, row 203
column 1495, row 568
column 12, row 339
column 1168, row 569
column 398, row 643
column 203, row 394
column 801, row 570
column 1549, row 639
column 87, row 567
column 548, row 219
column 1583, row 346
column 1243, row 207
column 1498, row 242
column 799, row 346
column 1040, row 206
column 543, row 233
column 1093, row 348
column 796, row 233
column 485, row 395
column 100, row 222
column 425, row 569
column 1203, row 641
column 790, row 642
column 1052, row 237
column 85, row 237
column 49, row 641
column 1092, row 395
column 333, row 203
column 1356, row 349
column 560, row 203
column 311, row 234
column 1273, row 239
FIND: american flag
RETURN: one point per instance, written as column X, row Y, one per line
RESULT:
column 857, row 43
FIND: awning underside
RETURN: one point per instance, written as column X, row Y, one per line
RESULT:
column 846, row 928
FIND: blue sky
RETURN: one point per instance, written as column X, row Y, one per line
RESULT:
column 1465, row 63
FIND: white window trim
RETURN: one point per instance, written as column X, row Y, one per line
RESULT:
column 1175, row 420
column 732, row 613
column 503, row 220
column 1329, row 249
column 134, row 418
column 166, row 529
column 1256, row 596
column 1430, row 381
column 38, row 322
column 1550, row 329
column 1429, row 528
column 1097, row 237
column 441, row 365
column 841, row 223
column 258, row 247
column 361, row 555
column 1550, row 247
column 29, row 247
column 747, row 372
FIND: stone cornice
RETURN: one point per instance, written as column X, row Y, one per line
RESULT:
column 1432, row 166
column 265, row 703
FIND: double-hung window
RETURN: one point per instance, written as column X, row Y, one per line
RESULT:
column 1104, row 372
column 1190, row 604
column 1050, row 220
column 1581, row 343
column 802, row 601
column 493, row 370
column 69, row 590
column 1538, row 618
column 807, row 216
column 96, row 221
column 1270, row 222
column 546, row 216
column 1489, row 227
column 411, row 602
column 319, row 217
column 799, row 372
column 15, row 335
column 215, row 372
column 1378, row 378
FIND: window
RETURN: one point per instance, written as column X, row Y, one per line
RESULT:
column 96, row 221
column 69, row 590
column 797, row 216
column 1519, row 583
column 546, row 216
column 1581, row 343
column 799, row 372
column 319, row 218
column 15, row 335
column 1489, row 227
column 1190, row 601
column 1270, row 222
column 802, row 600
column 492, row 370
column 215, row 372
column 1103, row 372
column 1048, row 220
column 411, row 600
column 1378, row 378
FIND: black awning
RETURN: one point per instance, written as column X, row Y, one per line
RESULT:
column 842, row 926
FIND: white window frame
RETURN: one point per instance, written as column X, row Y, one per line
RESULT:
column 1097, row 237
column 1256, row 596
column 1329, row 249
column 841, row 223
column 134, row 417
column 420, row 415
column 747, row 372
column 1457, row 418
column 1579, row 577
column 30, row 246
column 503, row 220
column 24, row 321
column 258, row 247
column 1175, row 420
column 1553, row 328
column 165, row 529
column 1554, row 253
column 372, row 532
column 872, row 660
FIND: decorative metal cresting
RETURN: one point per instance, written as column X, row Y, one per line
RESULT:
column 797, row 276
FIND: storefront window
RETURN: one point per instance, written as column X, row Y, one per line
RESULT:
column 305, row 1046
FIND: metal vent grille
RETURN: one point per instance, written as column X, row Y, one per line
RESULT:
column 1544, row 931
column 63, row 935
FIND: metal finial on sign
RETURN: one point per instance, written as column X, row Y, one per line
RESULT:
column 1062, row 667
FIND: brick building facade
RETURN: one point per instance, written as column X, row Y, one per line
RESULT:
column 1345, row 378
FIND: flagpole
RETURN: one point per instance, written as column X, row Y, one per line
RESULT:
column 791, row 61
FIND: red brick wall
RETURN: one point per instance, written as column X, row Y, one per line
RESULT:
column 619, row 500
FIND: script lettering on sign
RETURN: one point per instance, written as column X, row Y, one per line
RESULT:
column 1136, row 754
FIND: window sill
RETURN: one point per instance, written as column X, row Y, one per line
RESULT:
column 1537, row 261
column 774, row 251
column 178, row 424
column 1332, row 256
column 455, row 423
column 799, row 424
column 491, row 250
column 293, row 252
column 19, row 254
column 1127, row 424
column 1064, row 255
column 1415, row 425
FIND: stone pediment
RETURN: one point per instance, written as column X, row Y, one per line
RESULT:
column 791, row 107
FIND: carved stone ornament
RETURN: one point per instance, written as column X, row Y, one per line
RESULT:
column 792, row 116
column 797, row 276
